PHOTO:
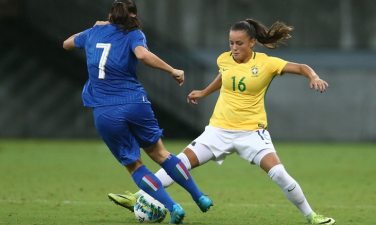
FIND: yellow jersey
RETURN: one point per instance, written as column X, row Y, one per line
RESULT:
column 241, row 103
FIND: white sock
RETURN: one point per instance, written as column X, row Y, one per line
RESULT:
column 290, row 188
column 165, row 178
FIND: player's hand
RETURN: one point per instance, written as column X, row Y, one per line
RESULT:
column 318, row 84
column 194, row 95
column 178, row 75
column 101, row 23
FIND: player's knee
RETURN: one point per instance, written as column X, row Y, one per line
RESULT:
column 157, row 154
column 184, row 159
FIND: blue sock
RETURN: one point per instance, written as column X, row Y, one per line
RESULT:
column 179, row 173
column 149, row 183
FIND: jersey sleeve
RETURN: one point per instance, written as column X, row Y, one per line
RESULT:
column 276, row 65
column 138, row 39
column 221, row 59
column 219, row 67
column 80, row 40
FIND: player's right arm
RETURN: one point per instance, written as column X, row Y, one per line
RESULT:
column 69, row 43
column 214, row 86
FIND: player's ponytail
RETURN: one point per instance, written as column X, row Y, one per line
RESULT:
column 124, row 14
column 271, row 37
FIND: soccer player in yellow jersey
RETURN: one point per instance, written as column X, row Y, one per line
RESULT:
column 241, row 102
column 238, row 124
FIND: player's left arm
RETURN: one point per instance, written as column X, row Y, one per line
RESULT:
column 150, row 59
column 306, row 71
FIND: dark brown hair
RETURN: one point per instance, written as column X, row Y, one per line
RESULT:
column 271, row 37
column 121, row 15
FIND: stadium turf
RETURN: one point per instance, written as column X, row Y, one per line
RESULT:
column 67, row 182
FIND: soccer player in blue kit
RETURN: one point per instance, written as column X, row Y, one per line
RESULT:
column 122, row 113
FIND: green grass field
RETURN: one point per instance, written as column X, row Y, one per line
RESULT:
column 67, row 182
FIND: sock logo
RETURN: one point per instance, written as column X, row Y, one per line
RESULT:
column 290, row 190
column 182, row 171
column 150, row 183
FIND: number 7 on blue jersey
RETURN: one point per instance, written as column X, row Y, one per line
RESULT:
column 103, row 60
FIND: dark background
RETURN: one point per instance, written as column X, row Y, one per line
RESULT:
column 41, row 83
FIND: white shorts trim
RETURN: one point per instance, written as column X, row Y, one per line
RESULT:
column 222, row 142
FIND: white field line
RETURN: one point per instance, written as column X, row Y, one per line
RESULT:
column 69, row 202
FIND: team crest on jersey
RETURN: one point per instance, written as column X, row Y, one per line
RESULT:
column 254, row 71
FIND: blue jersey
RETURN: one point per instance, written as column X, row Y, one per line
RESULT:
column 112, row 66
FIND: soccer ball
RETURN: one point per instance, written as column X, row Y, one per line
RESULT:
column 149, row 210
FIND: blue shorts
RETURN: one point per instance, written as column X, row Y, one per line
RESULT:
column 126, row 128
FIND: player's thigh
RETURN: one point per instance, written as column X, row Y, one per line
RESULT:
column 198, row 154
column 113, row 129
column 143, row 124
column 249, row 143
column 213, row 144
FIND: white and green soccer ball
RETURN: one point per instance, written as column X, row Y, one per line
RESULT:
column 149, row 210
